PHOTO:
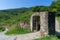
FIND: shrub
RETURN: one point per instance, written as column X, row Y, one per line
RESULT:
column 2, row 28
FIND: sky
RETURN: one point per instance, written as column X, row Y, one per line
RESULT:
column 9, row 4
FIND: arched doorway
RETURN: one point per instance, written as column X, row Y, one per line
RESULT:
column 36, row 23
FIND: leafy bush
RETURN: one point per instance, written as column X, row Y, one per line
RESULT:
column 2, row 28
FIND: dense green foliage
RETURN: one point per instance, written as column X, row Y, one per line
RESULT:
column 56, row 6
column 12, row 17
column 1, row 28
column 40, row 8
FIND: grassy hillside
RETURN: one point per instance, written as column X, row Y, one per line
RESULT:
column 11, row 18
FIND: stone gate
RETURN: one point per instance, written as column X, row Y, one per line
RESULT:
column 43, row 21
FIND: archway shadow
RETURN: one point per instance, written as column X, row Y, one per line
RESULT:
column 51, row 23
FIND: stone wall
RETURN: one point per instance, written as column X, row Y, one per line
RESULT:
column 44, row 21
column 47, row 22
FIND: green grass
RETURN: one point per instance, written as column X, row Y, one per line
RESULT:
column 48, row 38
column 18, row 31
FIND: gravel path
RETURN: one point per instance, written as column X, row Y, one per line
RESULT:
column 28, row 36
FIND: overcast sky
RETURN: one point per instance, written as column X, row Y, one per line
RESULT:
column 7, row 4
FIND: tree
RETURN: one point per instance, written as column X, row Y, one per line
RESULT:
column 53, row 7
column 58, row 5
